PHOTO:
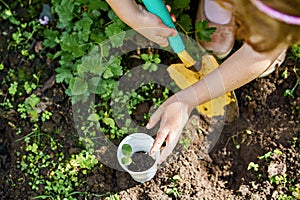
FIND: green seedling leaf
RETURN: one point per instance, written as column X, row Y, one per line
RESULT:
column 83, row 27
column 70, row 44
column 126, row 150
column 79, row 86
column 144, row 56
column 204, row 32
column 278, row 152
column 109, row 121
column 253, row 166
column 65, row 12
column 115, row 34
column 92, row 63
column 156, row 60
column 94, row 117
column 126, row 160
column 63, row 75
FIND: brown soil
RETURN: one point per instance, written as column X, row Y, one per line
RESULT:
column 141, row 161
column 268, row 120
column 272, row 119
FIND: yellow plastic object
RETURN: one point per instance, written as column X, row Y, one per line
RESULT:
column 184, row 77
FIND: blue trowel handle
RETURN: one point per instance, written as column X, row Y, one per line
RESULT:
column 158, row 8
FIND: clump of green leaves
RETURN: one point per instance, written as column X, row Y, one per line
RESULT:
column 151, row 61
column 57, row 173
column 81, row 26
column 172, row 188
column 253, row 166
column 28, row 108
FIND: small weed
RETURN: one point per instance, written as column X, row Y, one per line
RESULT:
column 290, row 92
column 267, row 155
column 46, row 115
column 253, row 166
column 151, row 61
column 12, row 90
column 172, row 188
column 185, row 142
column 27, row 109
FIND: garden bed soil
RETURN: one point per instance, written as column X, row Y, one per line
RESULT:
column 268, row 120
column 272, row 119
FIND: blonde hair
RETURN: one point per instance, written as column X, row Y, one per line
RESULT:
column 262, row 32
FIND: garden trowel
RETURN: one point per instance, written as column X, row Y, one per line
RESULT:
column 183, row 75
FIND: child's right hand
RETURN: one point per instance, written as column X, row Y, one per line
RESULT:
column 144, row 22
column 151, row 26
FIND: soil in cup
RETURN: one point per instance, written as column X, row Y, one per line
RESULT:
column 141, row 161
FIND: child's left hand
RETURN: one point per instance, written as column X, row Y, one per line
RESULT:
column 173, row 115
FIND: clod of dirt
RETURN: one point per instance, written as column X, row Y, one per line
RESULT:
column 276, row 169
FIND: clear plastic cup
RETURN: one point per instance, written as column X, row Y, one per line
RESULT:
column 139, row 142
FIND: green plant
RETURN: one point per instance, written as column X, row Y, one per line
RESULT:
column 8, row 14
column 62, row 172
column 28, row 108
column 267, row 155
column 279, row 179
column 172, row 188
column 290, row 92
column 151, row 61
column 253, row 166
column 81, row 31
column 204, row 32
column 127, row 152
column 6, row 104
column 12, row 90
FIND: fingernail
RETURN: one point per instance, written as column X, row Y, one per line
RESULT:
column 152, row 151
column 148, row 126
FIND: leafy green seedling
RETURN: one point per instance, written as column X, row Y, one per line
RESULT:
column 253, row 166
column 151, row 61
column 204, row 32
column 290, row 92
column 126, row 151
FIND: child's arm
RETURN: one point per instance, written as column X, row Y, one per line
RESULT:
column 240, row 68
column 145, row 23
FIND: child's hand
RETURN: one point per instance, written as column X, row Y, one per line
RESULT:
column 147, row 24
column 173, row 115
column 151, row 26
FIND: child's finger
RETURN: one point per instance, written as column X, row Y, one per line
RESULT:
column 159, row 140
column 168, row 8
column 172, row 15
column 154, row 119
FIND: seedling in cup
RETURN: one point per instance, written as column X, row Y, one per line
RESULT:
column 127, row 152
column 133, row 156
